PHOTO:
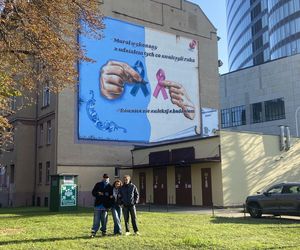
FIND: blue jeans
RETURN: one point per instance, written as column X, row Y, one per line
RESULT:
column 100, row 216
column 117, row 213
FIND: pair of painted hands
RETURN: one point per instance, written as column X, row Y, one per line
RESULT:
column 115, row 74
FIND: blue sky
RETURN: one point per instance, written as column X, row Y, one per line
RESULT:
column 216, row 12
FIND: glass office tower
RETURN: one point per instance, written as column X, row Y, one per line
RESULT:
column 261, row 30
column 284, row 27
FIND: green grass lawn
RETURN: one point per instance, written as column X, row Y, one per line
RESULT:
column 36, row 228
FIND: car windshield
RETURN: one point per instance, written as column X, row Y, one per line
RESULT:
column 275, row 189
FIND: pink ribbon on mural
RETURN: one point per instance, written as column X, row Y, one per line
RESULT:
column 160, row 76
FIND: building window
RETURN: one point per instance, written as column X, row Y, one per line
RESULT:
column 238, row 115
column 49, row 128
column 12, row 174
column 3, row 176
column 225, row 118
column 257, row 115
column 38, row 201
column 46, row 201
column 117, row 172
column 274, row 109
column 40, row 173
column 46, row 95
column 11, row 143
column 233, row 117
column 41, row 139
column 47, row 172
column 13, row 103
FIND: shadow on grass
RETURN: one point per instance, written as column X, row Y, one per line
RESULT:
column 13, row 242
column 37, row 211
column 263, row 220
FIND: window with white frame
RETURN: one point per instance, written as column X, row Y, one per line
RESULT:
column 46, row 95
column 13, row 103
column 47, row 172
column 49, row 134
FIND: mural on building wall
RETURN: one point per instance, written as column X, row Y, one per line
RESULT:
column 143, row 86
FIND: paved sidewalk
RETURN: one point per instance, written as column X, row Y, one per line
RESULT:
column 237, row 212
column 232, row 212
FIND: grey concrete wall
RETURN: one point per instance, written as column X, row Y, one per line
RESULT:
column 276, row 79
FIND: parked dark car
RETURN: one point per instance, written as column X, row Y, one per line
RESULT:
column 280, row 199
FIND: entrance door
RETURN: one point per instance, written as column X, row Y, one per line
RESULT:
column 160, row 186
column 142, row 180
column 206, row 186
column 183, row 185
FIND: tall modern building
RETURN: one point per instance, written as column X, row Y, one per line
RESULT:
column 261, row 30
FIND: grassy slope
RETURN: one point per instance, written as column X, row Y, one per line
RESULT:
column 38, row 229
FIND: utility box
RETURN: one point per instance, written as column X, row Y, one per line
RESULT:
column 64, row 192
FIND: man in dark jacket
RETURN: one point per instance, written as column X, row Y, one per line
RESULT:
column 129, row 197
column 102, row 192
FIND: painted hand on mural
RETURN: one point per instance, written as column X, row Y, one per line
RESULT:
column 113, row 76
column 180, row 98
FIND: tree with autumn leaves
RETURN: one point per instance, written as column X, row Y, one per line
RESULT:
column 38, row 44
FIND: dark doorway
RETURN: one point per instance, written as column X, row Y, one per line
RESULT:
column 206, row 187
column 38, row 201
column 160, row 186
column 142, row 181
column 183, row 185
column 46, row 201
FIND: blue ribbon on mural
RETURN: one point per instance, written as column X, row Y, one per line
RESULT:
column 139, row 67
column 108, row 126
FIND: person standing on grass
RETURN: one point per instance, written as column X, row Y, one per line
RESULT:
column 116, row 208
column 129, row 198
column 102, row 192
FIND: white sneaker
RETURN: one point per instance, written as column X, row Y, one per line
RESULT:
column 127, row 233
column 137, row 233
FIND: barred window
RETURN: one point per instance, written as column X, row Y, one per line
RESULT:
column 274, row 109
column 238, row 115
column 257, row 114
column 225, row 118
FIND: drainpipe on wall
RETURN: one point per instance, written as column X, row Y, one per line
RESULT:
column 35, row 147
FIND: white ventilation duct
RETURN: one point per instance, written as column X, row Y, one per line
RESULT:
column 287, row 138
column 281, row 138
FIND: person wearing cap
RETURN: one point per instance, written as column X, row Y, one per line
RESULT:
column 129, row 198
column 102, row 192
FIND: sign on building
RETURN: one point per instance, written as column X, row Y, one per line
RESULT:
column 143, row 86
column 68, row 195
column 210, row 122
